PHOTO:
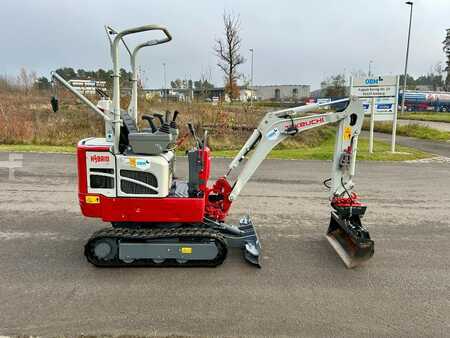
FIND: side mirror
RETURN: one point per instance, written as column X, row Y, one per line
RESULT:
column 54, row 103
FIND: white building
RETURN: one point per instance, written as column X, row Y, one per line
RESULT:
column 281, row 92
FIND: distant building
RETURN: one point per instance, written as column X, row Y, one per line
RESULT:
column 217, row 93
column 281, row 92
column 272, row 92
column 172, row 94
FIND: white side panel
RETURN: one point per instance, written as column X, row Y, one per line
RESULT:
column 145, row 174
column 100, row 164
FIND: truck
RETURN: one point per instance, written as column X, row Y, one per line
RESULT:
column 423, row 101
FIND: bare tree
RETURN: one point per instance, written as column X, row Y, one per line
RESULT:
column 446, row 48
column 227, row 50
column 334, row 86
column 26, row 79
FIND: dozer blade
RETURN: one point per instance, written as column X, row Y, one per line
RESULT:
column 252, row 245
column 350, row 240
column 252, row 253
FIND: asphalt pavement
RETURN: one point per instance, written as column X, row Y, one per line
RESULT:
column 47, row 287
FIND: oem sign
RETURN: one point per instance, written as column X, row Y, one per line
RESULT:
column 381, row 86
column 379, row 95
column 379, row 92
column 375, row 81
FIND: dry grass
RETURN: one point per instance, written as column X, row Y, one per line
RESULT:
column 28, row 119
column 426, row 116
column 411, row 130
column 27, row 123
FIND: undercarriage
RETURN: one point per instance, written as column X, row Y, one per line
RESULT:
column 160, row 245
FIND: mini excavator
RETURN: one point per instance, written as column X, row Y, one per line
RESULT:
column 127, row 179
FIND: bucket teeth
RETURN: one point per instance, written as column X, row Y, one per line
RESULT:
column 350, row 240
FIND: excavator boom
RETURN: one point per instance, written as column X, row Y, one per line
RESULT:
column 346, row 233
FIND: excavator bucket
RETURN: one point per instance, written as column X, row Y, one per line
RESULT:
column 350, row 240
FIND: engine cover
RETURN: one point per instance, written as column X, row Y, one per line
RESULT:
column 144, row 176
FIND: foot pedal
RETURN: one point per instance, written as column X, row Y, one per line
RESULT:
column 350, row 240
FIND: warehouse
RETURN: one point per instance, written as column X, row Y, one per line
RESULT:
column 281, row 92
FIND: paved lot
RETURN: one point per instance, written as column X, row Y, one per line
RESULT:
column 48, row 288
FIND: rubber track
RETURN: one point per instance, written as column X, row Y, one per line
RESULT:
column 191, row 234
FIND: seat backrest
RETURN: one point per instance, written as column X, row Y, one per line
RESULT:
column 128, row 126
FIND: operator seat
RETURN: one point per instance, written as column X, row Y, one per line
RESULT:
column 128, row 126
column 143, row 142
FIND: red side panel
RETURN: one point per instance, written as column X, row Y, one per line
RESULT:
column 82, row 171
column 128, row 209
column 204, row 174
column 81, row 161
column 152, row 209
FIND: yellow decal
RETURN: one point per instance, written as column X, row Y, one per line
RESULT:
column 186, row 250
column 132, row 162
column 347, row 133
column 92, row 199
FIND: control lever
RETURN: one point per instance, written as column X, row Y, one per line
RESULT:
column 205, row 139
column 149, row 119
column 164, row 125
column 160, row 118
column 168, row 116
column 194, row 135
column 173, row 123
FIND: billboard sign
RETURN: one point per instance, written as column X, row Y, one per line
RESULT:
column 381, row 86
column 384, row 108
column 379, row 95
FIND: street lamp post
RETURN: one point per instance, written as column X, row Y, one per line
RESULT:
column 394, row 127
column 165, row 83
column 410, row 3
column 251, row 80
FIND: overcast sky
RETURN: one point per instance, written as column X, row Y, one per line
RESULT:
column 295, row 42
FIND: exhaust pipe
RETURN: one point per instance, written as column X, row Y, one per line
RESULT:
column 350, row 240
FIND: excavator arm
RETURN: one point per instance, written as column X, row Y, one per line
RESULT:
column 346, row 233
column 277, row 126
